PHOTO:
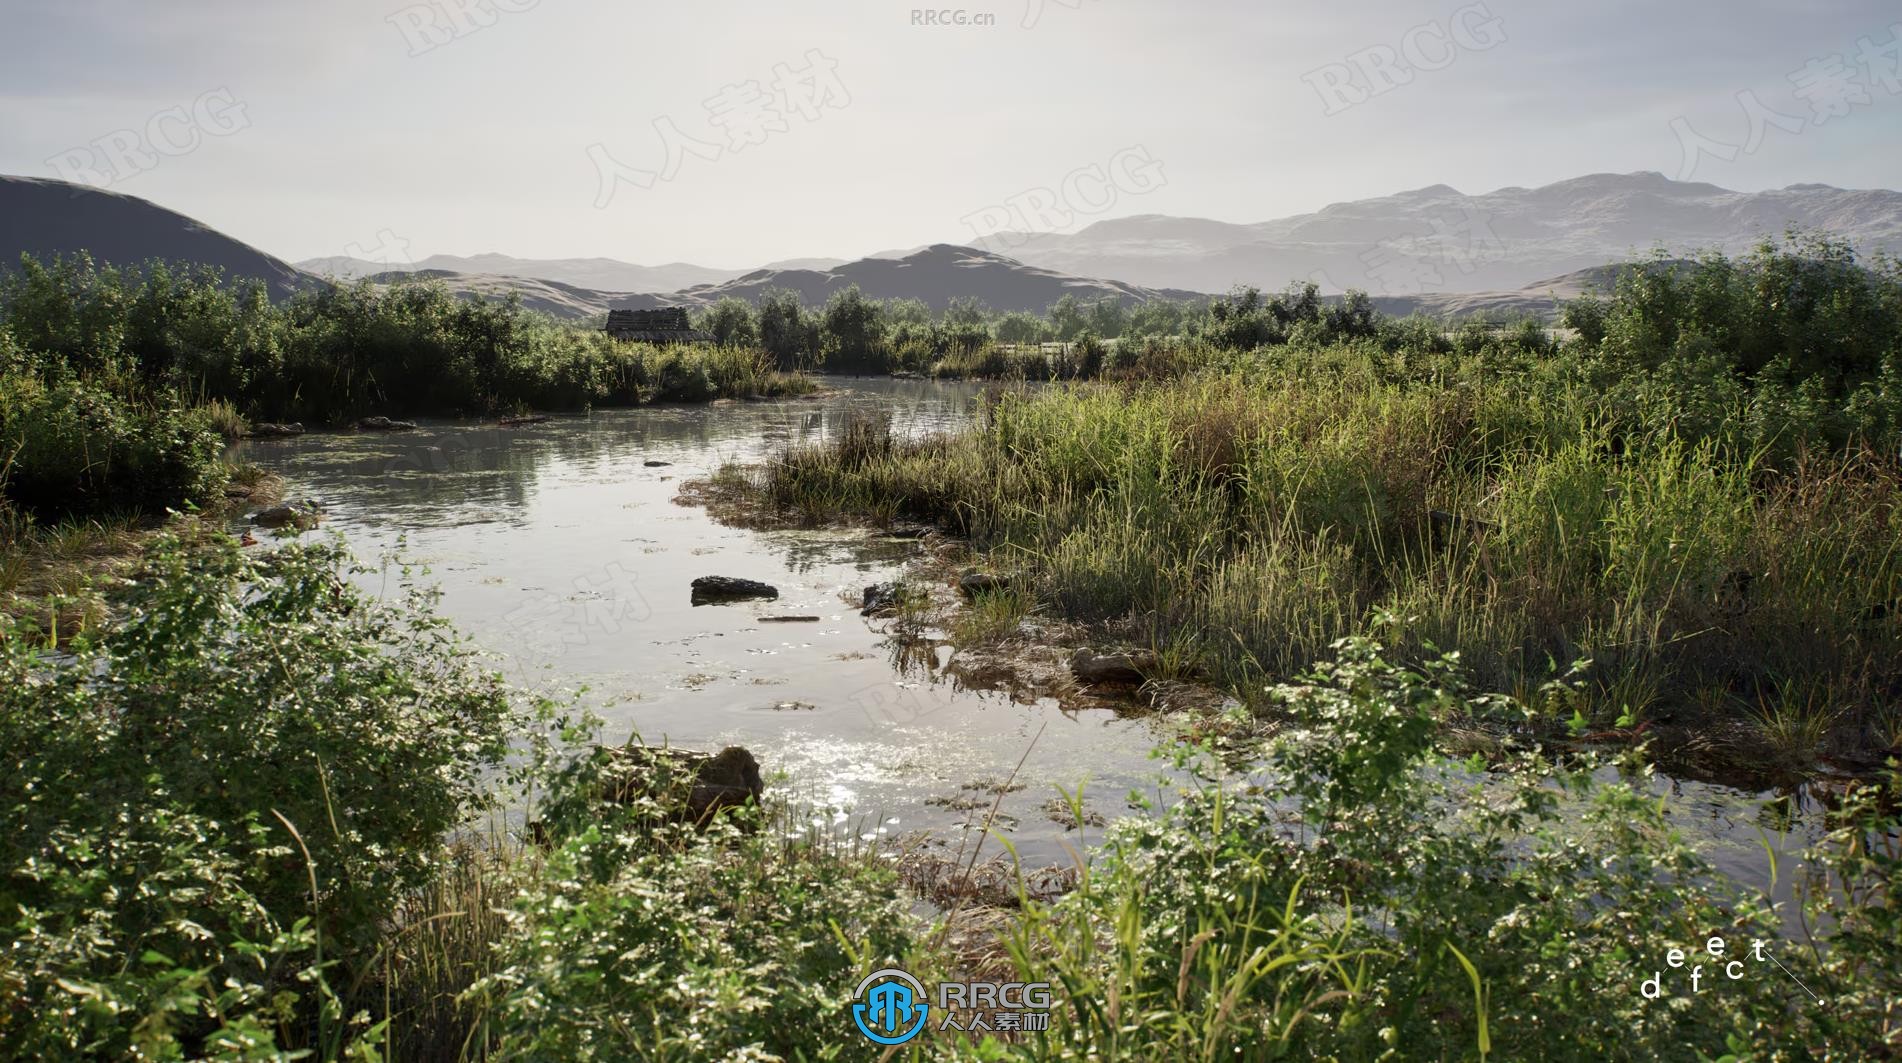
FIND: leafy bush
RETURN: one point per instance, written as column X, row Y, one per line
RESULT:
column 174, row 792
column 666, row 942
column 1374, row 899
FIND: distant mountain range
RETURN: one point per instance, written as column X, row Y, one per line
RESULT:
column 936, row 274
column 1438, row 239
column 1433, row 250
column 599, row 274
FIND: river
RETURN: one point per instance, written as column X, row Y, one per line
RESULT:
column 560, row 550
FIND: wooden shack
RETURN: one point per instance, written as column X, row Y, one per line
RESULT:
column 667, row 324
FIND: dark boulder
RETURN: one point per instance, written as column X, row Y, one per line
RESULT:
column 709, row 589
column 880, row 599
column 384, row 424
column 974, row 583
column 1092, row 667
column 269, row 430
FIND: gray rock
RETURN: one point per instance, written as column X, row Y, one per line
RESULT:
column 975, row 583
column 1092, row 667
column 880, row 599
column 298, row 513
column 384, row 424
column 708, row 589
column 269, row 430
column 693, row 785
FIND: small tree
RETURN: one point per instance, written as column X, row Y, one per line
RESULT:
column 787, row 332
column 732, row 323
column 853, row 332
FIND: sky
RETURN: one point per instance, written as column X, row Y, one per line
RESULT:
column 732, row 133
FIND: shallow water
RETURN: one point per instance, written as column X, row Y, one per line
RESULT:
column 562, row 553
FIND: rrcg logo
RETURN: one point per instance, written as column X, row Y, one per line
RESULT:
column 890, row 1006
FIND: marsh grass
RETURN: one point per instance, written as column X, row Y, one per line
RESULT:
column 53, row 577
column 1247, row 517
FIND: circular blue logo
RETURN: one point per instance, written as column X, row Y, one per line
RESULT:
column 890, row 1006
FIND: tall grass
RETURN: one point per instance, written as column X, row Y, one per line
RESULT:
column 1260, row 512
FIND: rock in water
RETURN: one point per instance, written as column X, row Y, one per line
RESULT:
column 880, row 599
column 708, row 589
column 268, row 430
column 653, row 463
column 1092, row 667
column 692, row 785
column 302, row 513
column 974, row 583
column 384, row 424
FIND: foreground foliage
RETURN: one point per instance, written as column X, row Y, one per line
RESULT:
column 1369, row 898
column 233, row 828
column 206, row 818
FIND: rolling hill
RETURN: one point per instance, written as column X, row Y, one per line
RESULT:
column 47, row 218
column 936, row 274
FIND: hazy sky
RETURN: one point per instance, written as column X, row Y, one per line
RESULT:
column 838, row 127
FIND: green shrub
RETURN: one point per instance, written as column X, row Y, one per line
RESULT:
column 153, row 887
column 644, row 939
column 1370, row 898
